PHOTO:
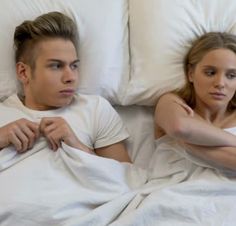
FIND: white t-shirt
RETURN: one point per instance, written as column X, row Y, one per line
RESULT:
column 91, row 117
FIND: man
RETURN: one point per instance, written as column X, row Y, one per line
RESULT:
column 46, row 55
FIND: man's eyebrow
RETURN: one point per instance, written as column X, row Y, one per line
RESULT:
column 61, row 61
column 76, row 61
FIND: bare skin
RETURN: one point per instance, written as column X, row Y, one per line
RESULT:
column 201, row 128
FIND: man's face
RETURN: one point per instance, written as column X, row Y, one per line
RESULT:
column 54, row 80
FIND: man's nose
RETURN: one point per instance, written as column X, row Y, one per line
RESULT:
column 69, row 75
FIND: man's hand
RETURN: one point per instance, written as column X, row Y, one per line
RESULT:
column 21, row 133
column 56, row 130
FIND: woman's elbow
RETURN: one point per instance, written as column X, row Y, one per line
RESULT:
column 178, row 129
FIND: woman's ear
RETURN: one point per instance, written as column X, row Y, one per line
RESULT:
column 23, row 72
column 190, row 72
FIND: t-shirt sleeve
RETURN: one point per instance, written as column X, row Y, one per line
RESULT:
column 109, row 126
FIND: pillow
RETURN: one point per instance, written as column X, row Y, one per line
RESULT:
column 161, row 32
column 103, row 42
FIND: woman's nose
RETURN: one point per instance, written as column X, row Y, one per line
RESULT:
column 219, row 81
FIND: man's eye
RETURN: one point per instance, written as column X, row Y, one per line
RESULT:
column 55, row 66
column 74, row 66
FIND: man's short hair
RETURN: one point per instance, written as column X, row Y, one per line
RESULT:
column 49, row 25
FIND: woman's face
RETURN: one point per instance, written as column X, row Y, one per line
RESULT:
column 214, row 79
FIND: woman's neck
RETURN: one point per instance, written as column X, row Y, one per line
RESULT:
column 217, row 117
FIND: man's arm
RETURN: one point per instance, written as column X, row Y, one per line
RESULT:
column 115, row 151
column 56, row 130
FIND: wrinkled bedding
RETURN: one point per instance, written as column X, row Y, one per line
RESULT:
column 72, row 188
column 43, row 187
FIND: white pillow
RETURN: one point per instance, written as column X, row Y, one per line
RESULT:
column 160, row 34
column 103, row 42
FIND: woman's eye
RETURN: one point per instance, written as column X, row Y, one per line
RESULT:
column 231, row 75
column 209, row 72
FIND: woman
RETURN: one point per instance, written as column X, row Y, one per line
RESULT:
column 198, row 114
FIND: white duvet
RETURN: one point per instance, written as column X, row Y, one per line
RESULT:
column 72, row 188
column 182, row 191
column 42, row 187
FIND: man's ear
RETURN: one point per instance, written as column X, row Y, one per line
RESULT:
column 23, row 72
column 190, row 72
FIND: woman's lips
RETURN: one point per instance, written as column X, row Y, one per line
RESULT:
column 217, row 95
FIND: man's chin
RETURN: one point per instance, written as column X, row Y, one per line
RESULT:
column 64, row 103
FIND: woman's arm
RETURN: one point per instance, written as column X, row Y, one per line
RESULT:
column 178, row 120
column 217, row 157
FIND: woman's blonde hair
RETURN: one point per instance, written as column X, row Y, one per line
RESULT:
column 49, row 25
column 200, row 47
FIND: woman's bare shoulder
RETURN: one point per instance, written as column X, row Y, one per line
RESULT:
column 170, row 97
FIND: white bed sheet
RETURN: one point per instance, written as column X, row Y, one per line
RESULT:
column 140, row 124
column 67, row 187
column 73, row 188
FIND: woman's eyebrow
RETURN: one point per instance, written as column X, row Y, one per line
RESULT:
column 232, row 69
column 209, row 66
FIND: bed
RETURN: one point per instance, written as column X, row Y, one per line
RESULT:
column 131, row 52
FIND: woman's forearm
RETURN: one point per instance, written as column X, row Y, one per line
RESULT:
column 178, row 120
column 197, row 132
column 222, row 157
